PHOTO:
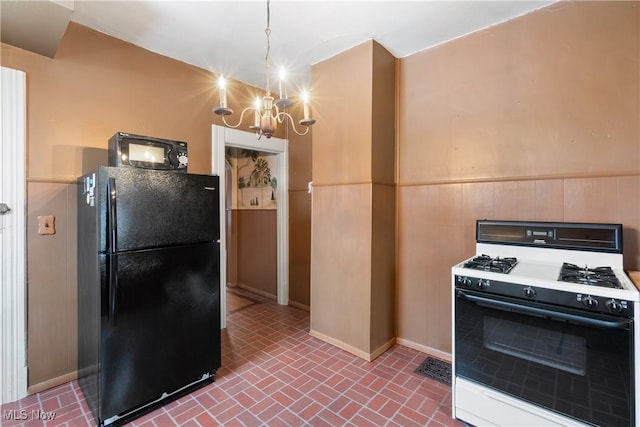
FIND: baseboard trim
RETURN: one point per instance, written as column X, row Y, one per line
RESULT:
column 384, row 347
column 340, row 344
column 299, row 305
column 256, row 291
column 351, row 349
column 53, row 382
column 425, row 349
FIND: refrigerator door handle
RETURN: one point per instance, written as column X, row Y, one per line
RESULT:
column 112, row 220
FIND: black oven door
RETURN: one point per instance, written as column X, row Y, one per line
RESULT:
column 573, row 363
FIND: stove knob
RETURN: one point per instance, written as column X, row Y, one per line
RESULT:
column 529, row 292
column 466, row 282
column 614, row 306
column 590, row 303
column 482, row 284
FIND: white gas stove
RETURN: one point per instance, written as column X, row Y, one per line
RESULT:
column 538, row 313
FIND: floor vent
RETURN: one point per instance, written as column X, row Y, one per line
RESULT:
column 436, row 369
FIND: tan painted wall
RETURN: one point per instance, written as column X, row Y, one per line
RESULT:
column 383, row 265
column 383, row 198
column 353, row 208
column 533, row 119
column 551, row 93
column 96, row 85
column 299, row 219
column 256, row 247
column 52, row 326
column 341, row 199
column 383, row 116
column 342, row 136
column 341, row 264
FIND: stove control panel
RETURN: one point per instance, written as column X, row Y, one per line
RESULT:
column 529, row 292
column 615, row 306
column 606, row 305
column 592, row 303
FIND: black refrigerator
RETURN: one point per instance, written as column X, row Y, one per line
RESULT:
column 148, row 288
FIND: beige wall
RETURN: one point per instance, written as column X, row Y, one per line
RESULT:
column 383, row 197
column 353, row 203
column 52, row 292
column 96, row 86
column 257, row 263
column 533, row 119
column 341, row 200
column 299, row 219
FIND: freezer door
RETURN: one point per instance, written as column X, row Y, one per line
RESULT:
column 160, row 320
column 148, row 209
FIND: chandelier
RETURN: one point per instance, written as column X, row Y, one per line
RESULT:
column 268, row 112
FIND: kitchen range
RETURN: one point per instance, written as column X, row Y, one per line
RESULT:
column 544, row 327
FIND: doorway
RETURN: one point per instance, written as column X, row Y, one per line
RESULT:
column 223, row 138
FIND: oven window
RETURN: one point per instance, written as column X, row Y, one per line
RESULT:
column 556, row 349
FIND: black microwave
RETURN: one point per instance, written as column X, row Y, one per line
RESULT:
column 147, row 152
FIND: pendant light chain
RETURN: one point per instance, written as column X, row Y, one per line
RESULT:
column 267, row 59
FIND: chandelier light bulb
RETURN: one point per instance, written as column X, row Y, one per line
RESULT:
column 282, row 83
column 307, row 120
column 257, row 103
column 304, row 95
column 222, row 108
column 222, row 88
column 283, row 100
column 305, row 103
column 222, row 83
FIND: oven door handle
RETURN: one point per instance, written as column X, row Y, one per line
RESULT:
column 608, row 324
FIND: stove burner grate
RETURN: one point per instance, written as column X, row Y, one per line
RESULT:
column 597, row 276
column 487, row 263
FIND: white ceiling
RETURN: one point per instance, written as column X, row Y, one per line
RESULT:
column 229, row 37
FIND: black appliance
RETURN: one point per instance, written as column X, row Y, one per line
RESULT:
column 148, row 288
column 147, row 152
column 550, row 339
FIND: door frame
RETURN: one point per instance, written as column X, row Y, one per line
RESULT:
column 222, row 137
column 13, row 301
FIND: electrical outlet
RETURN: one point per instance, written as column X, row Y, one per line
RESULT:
column 47, row 224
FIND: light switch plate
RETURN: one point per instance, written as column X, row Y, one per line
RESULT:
column 47, row 224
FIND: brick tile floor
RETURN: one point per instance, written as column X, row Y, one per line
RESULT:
column 275, row 374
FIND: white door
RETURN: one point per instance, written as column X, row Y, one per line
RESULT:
column 13, row 337
column 224, row 137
